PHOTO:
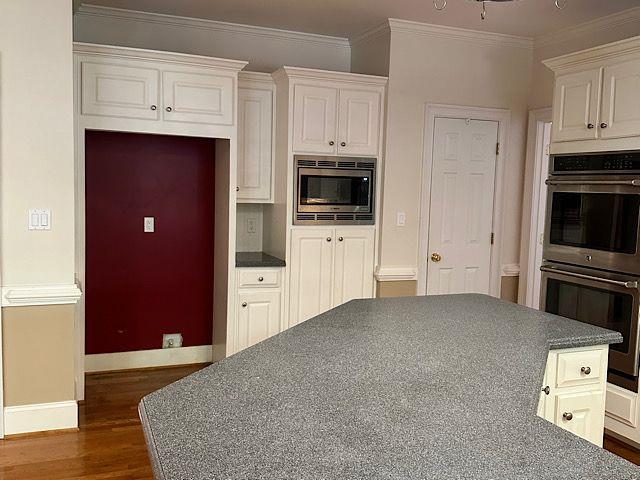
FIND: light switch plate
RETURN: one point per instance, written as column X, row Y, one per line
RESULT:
column 401, row 220
column 39, row 219
column 149, row 224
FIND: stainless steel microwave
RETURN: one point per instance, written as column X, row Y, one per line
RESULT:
column 334, row 190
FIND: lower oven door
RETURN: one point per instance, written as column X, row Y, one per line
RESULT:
column 604, row 299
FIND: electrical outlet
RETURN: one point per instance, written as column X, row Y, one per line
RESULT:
column 171, row 340
column 251, row 225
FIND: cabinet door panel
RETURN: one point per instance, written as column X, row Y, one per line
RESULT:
column 314, row 119
column 359, row 122
column 581, row 413
column 353, row 265
column 258, row 317
column 311, row 282
column 255, row 132
column 575, row 106
column 621, row 101
column 198, row 98
column 118, row 90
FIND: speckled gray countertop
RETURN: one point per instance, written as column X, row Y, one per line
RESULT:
column 257, row 259
column 408, row 388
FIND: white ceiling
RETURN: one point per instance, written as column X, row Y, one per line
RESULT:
column 346, row 18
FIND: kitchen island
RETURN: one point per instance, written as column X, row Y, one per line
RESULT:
column 441, row 387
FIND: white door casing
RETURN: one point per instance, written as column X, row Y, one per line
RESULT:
column 314, row 119
column 353, row 264
column 358, row 122
column 621, row 101
column 461, row 213
column 576, row 106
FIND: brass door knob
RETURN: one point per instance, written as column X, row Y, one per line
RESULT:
column 436, row 257
column 568, row 416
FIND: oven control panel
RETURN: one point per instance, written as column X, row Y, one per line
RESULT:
column 627, row 162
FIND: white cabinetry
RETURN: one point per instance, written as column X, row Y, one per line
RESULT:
column 573, row 392
column 596, row 105
column 314, row 119
column 259, row 306
column 255, row 138
column 329, row 266
column 358, row 122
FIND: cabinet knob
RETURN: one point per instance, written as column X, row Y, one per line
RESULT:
column 153, row 107
column 568, row 416
column 332, row 143
column 260, row 279
column 340, row 239
column 546, row 390
column 590, row 126
column 168, row 109
column 244, row 304
column 343, row 144
column 603, row 125
column 237, row 189
column 328, row 239
column 586, row 370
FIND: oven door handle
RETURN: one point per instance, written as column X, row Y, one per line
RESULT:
column 633, row 183
column 629, row 284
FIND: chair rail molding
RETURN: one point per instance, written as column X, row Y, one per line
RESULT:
column 30, row 295
column 395, row 274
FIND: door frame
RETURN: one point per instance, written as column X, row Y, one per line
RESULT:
column 431, row 113
column 535, row 154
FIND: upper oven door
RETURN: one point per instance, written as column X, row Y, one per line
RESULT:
column 604, row 299
column 334, row 190
column 593, row 222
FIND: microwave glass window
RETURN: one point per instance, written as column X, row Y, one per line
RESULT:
column 604, row 308
column 334, row 190
column 599, row 221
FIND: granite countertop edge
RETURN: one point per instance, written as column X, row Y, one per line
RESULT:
column 258, row 260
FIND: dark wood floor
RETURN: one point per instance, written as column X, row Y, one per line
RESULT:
column 109, row 443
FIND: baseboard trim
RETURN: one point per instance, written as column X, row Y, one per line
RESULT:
column 395, row 274
column 162, row 357
column 40, row 417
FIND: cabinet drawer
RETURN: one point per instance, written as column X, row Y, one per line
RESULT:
column 582, row 414
column 586, row 367
column 250, row 277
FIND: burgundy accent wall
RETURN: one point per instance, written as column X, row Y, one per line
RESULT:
column 142, row 285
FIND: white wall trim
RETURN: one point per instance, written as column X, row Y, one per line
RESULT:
column 503, row 117
column 371, row 34
column 511, row 270
column 105, row 362
column 475, row 37
column 213, row 25
column 40, row 417
column 395, row 274
column 29, row 295
column 593, row 27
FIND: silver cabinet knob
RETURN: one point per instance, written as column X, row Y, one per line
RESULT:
column 153, row 107
column 340, row 239
column 590, row 126
column 586, row 370
column 568, row 416
column 546, row 390
column 237, row 189
column 244, row 304
column 168, row 109
column 343, row 144
column 603, row 125
column 260, row 279
column 328, row 239
column 332, row 143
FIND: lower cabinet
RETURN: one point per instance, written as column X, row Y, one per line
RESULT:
column 259, row 306
column 329, row 267
column 573, row 391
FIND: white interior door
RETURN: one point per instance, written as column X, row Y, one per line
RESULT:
column 461, row 213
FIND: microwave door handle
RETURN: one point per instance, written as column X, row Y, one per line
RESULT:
column 633, row 183
column 630, row 284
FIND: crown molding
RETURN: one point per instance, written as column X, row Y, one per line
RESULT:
column 30, row 295
column 396, row 274
column 314, row 74
column 255, row 79
column 211, row 25
column 591, row 28
column 476, row 37
column 371, row 34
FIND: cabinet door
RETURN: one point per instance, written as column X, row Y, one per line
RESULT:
column 358, row 122
column 258, row 317
column 353, row 264
column 575, row 106
column 314, row 119
column 255, row 133
column 198, row 98
column 117, row 90
column 621, row 101
column 311, row 281
column 581, row 413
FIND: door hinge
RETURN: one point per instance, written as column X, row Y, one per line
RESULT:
column 493, row 238
column 498, row 148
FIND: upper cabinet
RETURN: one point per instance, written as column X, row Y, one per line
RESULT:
column 255, row 138
column 334, row 113
column 596, row 104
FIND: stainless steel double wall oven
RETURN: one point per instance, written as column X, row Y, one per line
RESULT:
column 591, row 269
